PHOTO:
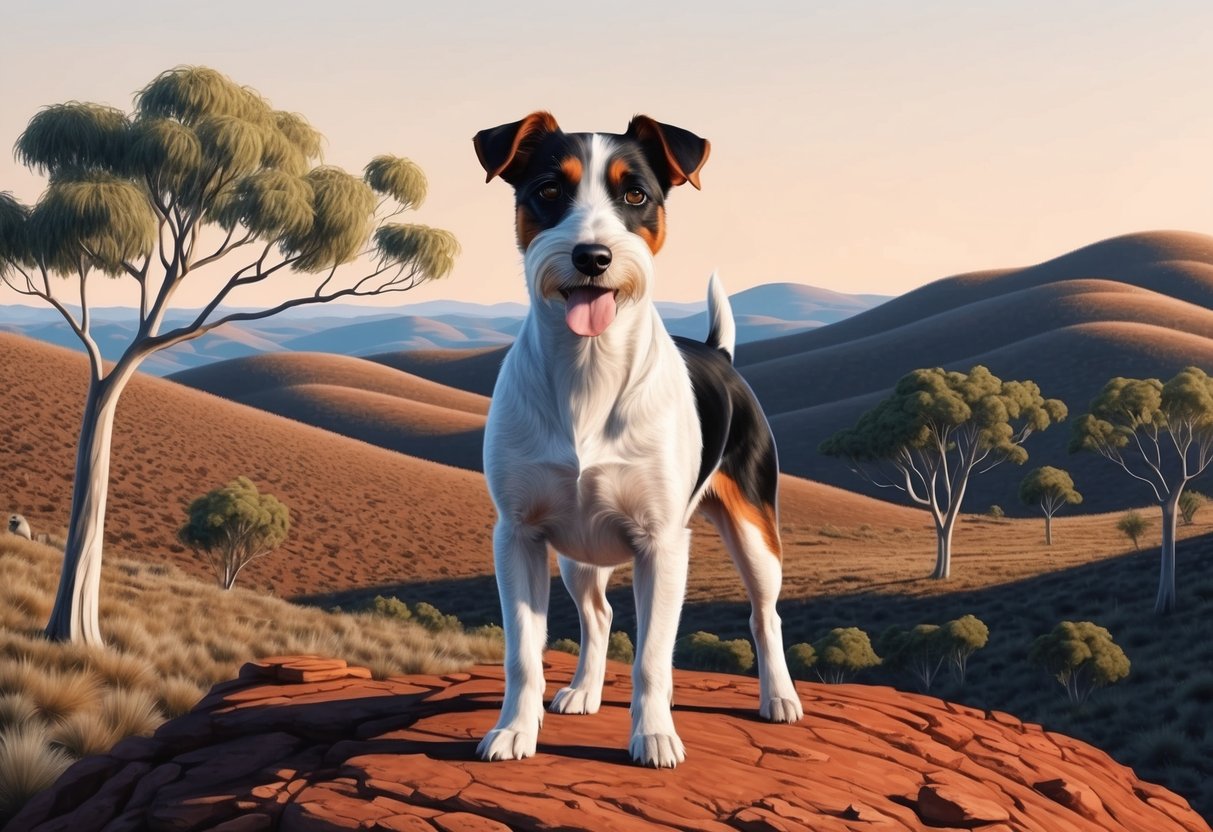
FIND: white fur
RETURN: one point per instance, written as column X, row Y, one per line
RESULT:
column 593, row 446
column 720, row 316
column 19, row 526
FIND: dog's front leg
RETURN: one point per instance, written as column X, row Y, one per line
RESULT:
column 521, row 562
column 659, row 586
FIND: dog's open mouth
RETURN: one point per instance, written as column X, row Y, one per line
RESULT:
column 589, row 309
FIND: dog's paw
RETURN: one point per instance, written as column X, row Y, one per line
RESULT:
column 778, row 709
column 506, row 744
column 657, row 750
column 575, row 701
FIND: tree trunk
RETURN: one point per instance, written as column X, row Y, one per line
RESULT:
column 943, row 549
column 1048, row 529
column 74, row 615
column 1165, row 602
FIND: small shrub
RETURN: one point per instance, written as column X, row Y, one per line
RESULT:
column 430, row 617
column 494, row 632
column 1082, row 657
column 1133, row 525
column 391, row 607
column 706, row 651
column 921, row 651
column 995, row 512
column 801, row 658
column 842, row 653
column 1190, row 502
column 567, row 645
column 620, row 649
column 965, row 636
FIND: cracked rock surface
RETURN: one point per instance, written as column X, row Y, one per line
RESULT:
column 303, row 743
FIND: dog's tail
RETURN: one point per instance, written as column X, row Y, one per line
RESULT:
column 722, row 331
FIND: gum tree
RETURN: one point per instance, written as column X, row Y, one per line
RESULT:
column 1159, row 434
column 234, row 526
column 202, row 180
column 1048, row 488
column 938, row 429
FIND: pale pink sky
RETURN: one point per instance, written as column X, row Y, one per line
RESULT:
column 864, row 147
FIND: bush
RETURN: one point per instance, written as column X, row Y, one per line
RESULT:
column 921, row 651
column 234, row 526
column 995, row 512
column 619, row 648
column 566, row 645
column 1132, row 525
column 491, row 631
column 965, row 635
column 842, row 653
column 1190, row 503
column 1082, row 656
column 706, row 651
column 801, row 658
column 430, row 617
column 391, row 607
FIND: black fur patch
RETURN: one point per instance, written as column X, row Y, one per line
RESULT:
column 736, row 434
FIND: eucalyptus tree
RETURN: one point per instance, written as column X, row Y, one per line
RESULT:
column 1159, row 434
column 1049, row 488
column 202, row 181
column 935, row 431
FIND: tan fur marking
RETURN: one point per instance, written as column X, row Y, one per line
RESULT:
column 571, row 167
column 525, row 228
column 738, row 508
column 615, row 173
column 655, row 240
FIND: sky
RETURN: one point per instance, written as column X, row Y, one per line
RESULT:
column 868, row 146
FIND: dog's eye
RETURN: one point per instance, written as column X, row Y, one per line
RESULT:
column 549, row 191
column 635, row 196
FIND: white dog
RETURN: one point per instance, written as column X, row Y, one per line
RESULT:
column 605, row 434
column 19, row 526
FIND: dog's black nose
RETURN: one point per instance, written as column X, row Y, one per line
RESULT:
column 591, row 259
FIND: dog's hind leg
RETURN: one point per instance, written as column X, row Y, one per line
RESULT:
column 521, row 561
column 659, row 584
column 587, row 584
column 761, row 571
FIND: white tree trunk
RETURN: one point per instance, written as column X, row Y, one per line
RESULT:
column 1048, row 529
column 943, row 548
column 1166, row 576
column 74, row 616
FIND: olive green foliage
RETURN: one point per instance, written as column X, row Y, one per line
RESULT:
column 706, row 651
column 391, row 607
column 493, row 632
column 1191, row 502
column 1082, row 657
column 965, row 636
column 920, row 651
column 842, row 653
column 1049, row 488
column 1133, row 525
column 235, row 525
column 995, row 512
column 566, row 645
column 433, row 619
column 801, row 658
column 1161, row 434
column 936, row 429
column 619, row 648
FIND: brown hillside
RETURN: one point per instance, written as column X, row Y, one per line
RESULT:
column 300, row 743
column 240, row 377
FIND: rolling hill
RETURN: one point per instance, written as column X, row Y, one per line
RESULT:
column 1136, row 305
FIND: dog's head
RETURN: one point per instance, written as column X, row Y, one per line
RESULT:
column 590, row 207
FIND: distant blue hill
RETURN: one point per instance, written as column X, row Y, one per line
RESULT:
column 762, row 312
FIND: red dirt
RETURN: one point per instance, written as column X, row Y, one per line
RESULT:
column 268, row 751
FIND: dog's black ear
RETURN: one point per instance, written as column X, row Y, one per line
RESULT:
column 503, row 150
column 677, row 155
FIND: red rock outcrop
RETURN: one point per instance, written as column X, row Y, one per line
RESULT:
column 307, row 744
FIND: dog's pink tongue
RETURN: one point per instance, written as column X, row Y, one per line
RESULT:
column 590, row 310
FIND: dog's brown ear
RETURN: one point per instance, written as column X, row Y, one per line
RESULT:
column 505, row 149
column 675, row 154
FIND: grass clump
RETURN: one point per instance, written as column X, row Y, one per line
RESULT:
column 28, row 764
column 707, row 651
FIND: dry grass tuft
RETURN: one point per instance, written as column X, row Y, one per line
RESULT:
column 28, row 764
column 130, row 713
column 84, row 733
column 16, row 709
column 59, row 694
column 177, row 695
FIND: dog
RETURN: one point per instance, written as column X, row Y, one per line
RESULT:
column 605, row 434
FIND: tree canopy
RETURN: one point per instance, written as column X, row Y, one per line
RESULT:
column 1082, row 656
column 234, row 525
column 938, row 428
column 843, row 652
column 1049, row 488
